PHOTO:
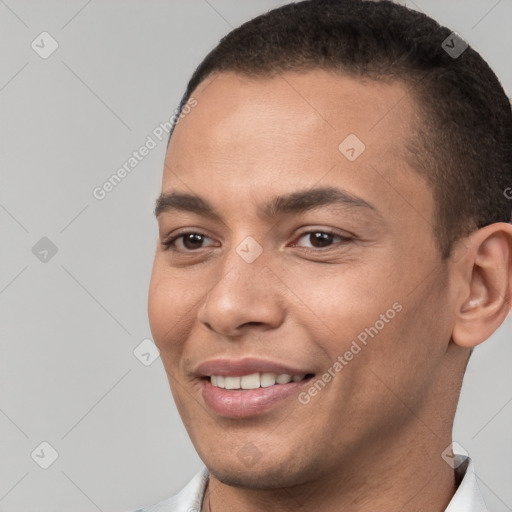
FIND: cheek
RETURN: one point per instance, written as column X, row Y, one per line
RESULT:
column 160, row 309
column 344, row 300
column 407, row 355
column 372, row 321
column 170, row 306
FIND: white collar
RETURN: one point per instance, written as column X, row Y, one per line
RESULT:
column 467, row 498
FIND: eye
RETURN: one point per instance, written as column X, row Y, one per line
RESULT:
column 321, row 238
column 185, row 242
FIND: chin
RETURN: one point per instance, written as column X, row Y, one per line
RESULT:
column 262, row 475
column 248, row 479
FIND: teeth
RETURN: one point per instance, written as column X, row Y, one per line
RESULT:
column 253, row 381
column 232, row 382
column 250, row 381
column 267, row 379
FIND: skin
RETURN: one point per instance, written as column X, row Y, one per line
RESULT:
column 372, row 438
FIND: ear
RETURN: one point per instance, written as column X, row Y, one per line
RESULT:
column 484, row 284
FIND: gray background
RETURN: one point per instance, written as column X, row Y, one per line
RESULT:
column 69, row 326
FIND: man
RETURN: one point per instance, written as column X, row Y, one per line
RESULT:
column 334, row 240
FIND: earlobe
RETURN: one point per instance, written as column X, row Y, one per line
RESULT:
column 485, row 275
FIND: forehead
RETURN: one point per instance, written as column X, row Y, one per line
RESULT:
column 309, row 104
column 255, row 137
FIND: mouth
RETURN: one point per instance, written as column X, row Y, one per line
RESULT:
column 250, row 386
column 245, row 396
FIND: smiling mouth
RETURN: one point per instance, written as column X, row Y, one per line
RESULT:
column 254, row 380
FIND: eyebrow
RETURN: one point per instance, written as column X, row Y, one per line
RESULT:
column 295, row 202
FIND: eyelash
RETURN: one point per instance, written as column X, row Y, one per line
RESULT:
column 169, row 242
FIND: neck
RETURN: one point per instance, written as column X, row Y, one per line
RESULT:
column 407, row 475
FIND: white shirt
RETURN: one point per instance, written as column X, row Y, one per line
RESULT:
column 467, row 498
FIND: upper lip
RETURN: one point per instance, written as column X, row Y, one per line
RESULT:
column 246, row 366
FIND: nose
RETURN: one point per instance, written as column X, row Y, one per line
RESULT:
column 246, row 297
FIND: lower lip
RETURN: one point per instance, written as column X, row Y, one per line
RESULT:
column 243, row 403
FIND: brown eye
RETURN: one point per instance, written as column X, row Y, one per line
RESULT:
column 185, row 242
column 192, row 241
column 321, row 239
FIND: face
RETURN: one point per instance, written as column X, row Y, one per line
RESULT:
column 287, row 248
